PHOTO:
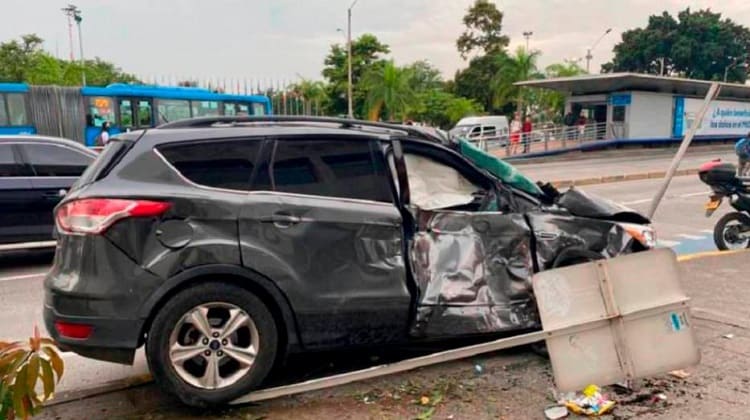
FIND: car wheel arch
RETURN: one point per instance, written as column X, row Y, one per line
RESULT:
column 251, row 280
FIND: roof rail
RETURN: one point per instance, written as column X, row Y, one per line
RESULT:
column 205, row 122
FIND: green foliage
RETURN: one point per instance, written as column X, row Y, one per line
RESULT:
column 26, row 61
column 22, row 367
column 483, row 23
column 698, row 45
column 388, row 91
column 366, row 50
column 313, row 93
column 442, row 109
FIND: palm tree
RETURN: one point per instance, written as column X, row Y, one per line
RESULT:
column 312, row 92
column 516, row 68
column 388, row 91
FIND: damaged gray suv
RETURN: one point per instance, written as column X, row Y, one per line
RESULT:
column 225, row 244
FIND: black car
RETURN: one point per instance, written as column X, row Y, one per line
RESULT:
column 225, row 244
column 35, row 173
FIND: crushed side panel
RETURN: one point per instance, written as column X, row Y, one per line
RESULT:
column 473, row 271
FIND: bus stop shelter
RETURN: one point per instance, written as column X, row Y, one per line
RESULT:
column 642, row 106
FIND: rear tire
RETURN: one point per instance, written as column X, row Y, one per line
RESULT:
column 175, row 335
column 722, row 237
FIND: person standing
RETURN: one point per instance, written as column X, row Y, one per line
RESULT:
column 569, row 120
column 526, row 130
column 515, row 133
column 103, row 138
column 742, row 149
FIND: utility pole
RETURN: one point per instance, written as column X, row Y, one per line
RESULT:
column 74, row 14
column 349, row 59
column 588, row 52
column 527, row 35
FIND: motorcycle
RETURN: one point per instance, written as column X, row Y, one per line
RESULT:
column 732, row 231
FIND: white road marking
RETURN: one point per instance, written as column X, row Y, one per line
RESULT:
column 667, row 243
column 630, row 203
column 696, row 194
column 22, row 276
column 691, row 237
column 707, row 231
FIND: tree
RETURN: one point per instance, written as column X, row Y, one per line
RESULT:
column 474, row 81
column 441, row 109
column 483, row 23
column 26, row 61
column 388, row 91
column 517, row 68
column 366, row 50
column 424, row 76
column 698, row 45
column 16, row 58
column 312, row 93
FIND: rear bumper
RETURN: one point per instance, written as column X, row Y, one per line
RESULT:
column 111, row 340
column 95, row 284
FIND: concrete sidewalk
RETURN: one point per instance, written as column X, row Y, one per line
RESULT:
column 603, row 167
column 511, row 384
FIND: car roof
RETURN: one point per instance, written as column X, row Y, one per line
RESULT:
column 45, row 140
column 219, row 127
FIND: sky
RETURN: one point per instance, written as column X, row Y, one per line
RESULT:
column 288, row 39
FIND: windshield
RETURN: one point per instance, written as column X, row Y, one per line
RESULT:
column 462, row 130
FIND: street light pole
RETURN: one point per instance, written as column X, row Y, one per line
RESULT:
column 74, row 13
column 527, row 35
column 349, row 58
column 588, row 52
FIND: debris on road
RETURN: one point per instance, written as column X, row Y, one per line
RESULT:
column 680, row 374
column 591, row 402
column 728, row 336
column 556, row 412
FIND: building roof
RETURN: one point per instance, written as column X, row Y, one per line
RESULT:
column 623, row 82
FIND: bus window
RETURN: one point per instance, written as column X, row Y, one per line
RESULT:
column 205, row 108
column 172, row 110
column 3, row 111
column 144, row 113
column 100, row 110
column 126, row 113
column 17, row 109
column 236, row 108
column 259, row 109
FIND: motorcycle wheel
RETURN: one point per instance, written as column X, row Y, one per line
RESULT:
column 726, row 231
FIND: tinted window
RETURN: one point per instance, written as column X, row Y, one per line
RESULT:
column 52, row 160
column 126, row 113
column 345, row 169
column 3, row 111
column 227, row 164
column 8, row 164
column 205, row 108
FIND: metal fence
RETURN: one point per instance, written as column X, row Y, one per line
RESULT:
column 544, row 139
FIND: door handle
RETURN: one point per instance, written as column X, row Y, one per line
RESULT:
column 281, row 220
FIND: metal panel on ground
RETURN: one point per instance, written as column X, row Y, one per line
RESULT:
column 649, row 329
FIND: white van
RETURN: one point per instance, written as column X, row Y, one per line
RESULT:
column 491, row 128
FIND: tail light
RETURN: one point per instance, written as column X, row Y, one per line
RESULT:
column 96, row 215
column 71, row 330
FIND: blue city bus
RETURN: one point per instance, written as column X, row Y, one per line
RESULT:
column 79, row 113
column 14, row 116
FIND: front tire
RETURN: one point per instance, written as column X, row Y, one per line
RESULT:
column 211, row 343
column 726, row 230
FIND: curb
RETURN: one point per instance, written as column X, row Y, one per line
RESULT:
column 106, row 388
column 620, row 178
column 707, row 254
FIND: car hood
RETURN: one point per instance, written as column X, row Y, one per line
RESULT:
column 580, row 203
column 499, row 168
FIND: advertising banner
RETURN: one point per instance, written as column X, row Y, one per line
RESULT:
column 723, row 117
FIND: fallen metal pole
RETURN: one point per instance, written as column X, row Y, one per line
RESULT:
column 27, row 245
column 713, row 92
column 417, row 362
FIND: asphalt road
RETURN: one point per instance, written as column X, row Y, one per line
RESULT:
column 680, row 224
